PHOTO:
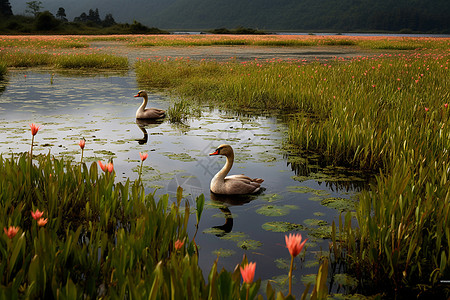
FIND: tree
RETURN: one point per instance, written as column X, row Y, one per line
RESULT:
column 5, row 8
column 61, row 14
column 34, row 7
column 109, row 20
column 46, row 21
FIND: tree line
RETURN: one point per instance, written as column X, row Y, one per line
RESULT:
column 38, row 20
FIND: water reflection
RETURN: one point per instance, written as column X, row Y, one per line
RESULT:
column 224, row 202
column 307, row 166
column 147, row 123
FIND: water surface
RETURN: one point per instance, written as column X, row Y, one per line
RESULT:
column 101, row 108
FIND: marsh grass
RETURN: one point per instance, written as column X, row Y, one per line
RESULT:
column 387, row 114
column 18, row 59
column 102, row 239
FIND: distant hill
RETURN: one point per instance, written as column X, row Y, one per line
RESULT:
column 336, row 15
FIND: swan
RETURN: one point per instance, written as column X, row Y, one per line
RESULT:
column 148, row 113
column 233, row 184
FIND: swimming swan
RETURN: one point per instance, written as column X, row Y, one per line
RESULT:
column 233, row 184
column 148, row 113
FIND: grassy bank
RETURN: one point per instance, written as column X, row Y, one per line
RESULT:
column 26, row 59
column 71, row 232
column 386, row 113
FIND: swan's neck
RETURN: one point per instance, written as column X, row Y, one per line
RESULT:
column 226, row 168
column 144, row 104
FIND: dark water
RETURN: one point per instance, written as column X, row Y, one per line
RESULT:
column 101, row 108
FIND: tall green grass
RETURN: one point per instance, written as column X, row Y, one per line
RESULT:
column 21, row 59
column 387, row 114
column 102, row 239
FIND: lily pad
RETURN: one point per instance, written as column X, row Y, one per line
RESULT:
column 179, row 156
column 224, row 252
column 270, row 197
column 315, row 222
column 281, row 226
column 275, row 210
column 234, row 236
column 341, row 204
column 249, row 244
column 282, row 263
column 321, row 232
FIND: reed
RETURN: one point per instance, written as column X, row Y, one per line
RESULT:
column 71, row 231
column 386, row 113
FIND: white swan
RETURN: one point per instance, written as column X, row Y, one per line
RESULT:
column 233, row 184
column 148, row 113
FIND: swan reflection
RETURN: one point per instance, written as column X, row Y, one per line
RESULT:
column 143, row 124
column 225, row 202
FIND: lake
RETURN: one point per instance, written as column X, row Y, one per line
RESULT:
column 299, row 193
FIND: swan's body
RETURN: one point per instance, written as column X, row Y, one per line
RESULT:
column 148, row 113
column 233, row 184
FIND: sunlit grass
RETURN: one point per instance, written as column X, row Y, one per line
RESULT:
column 386, row 113
column 18, row 59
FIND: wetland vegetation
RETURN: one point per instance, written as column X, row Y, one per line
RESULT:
column 384, row 113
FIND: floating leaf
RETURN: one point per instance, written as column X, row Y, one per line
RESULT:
column 179, row 156
column 234, row 236
column 282, row 263
column 281, row 226
column 315, row 222
column 341, row 204
column 224, row 252
column 275, row 210
column 249, row 244
column 322, row 232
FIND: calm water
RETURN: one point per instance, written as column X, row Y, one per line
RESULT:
column 101, row 108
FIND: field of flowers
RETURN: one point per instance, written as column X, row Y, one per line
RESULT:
column 385, row 112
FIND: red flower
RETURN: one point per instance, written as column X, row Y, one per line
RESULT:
column 143, row 156
column 41, row 222
column 294, row 243
column 11, row 231
column 179, row 244
column 82, row 142
column 108, row 167
column 37, row 214
column 446, row 105
column 427, row 109
column 34, row 128
column 248, row 272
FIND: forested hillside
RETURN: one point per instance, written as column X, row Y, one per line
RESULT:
column 336, row 15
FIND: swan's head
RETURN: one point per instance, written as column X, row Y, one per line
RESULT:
column 141, row 93
column 223, row 149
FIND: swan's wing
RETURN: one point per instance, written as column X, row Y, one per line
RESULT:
column 245, row 178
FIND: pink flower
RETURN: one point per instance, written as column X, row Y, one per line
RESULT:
column 294, row 243
column 427, row 109
column 143, row 156
column 179, row 244
column 446, row 105
column 37, row 214
column 82, row 143
column 108, row 167
column 34, row 128
column 11, row 231
column 41, row 222
column 248, row 272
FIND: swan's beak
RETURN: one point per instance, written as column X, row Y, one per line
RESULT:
column 215, row 152
column 137, row 95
